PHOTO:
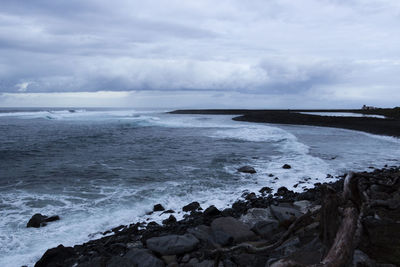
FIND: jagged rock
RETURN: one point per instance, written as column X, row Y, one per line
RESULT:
column 286, row 166
column 172, row 244
column 158, row 207
column 136, row 257
column 191, row 207
column 232, row 227
column 39, row 220
column 58, row 256
column 247, row 169
column 256, row 215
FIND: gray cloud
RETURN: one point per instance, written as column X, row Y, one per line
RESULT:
column 277, row 47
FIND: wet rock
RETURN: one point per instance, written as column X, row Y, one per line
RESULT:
column 39, row 220
column 158, row 207
column 172, row 244
column 191, row 207
column 211, row 211
column 171, row 219
column 265, row 190
column 247, row 169
column 203, row 233
column 286, row 166
column 232, row 227
column 360, row 259
column 58, row 256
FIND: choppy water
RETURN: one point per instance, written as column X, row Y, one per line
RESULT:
column 98, row 169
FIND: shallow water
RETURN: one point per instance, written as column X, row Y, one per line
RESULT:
column 98, row 169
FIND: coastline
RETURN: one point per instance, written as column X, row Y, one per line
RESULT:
column 261, row 229
column 211, row 237
column 389, row 126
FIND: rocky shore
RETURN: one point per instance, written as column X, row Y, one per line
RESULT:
column 354, row 221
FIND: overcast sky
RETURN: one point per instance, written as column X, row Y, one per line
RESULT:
column 227, row 53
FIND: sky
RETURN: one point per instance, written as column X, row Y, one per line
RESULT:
column 200, row 54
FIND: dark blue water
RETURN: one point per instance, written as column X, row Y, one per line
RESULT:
column 97, row 169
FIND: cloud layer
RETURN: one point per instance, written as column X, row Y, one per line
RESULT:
column 311, row 50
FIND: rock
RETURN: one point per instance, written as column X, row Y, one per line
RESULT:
column 171, row 219
column 265, row 190
column 172, row 244
column 247, row 169
column 136, row 257
column 233, row 228
column 211, row 211
column 158, row 207
column 286, row 166
column 284, row 213
column 169, row 259
column 58, row 256
column 303, row 205
column 256, row 215
column 265, row 229
column 191, row 207
column 39, row 220
column 203, row 233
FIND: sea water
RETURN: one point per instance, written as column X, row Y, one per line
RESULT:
column 100, row 168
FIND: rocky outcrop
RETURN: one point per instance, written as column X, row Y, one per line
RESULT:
column 39, row 220
column 357, row 227
column 247, row 169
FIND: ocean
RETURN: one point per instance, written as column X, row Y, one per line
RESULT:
column 100, row 168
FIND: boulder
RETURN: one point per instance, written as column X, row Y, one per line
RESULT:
column 265, row 190
column 247, row 169
column 212, row 211
column 286, row 166
column 284, row 213
column 39, row 220
column 232, row 227
column 256, row 215
column 136, row 257
column 158, row 207
column 202, row 232
column 172, row 244
column 191, row 207
column 58, row 256
column 265, row 229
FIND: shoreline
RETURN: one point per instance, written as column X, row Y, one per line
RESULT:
column 389, row 126
column 206, row 236
column 233, row 236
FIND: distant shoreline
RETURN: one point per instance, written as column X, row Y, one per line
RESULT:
column 389, row 126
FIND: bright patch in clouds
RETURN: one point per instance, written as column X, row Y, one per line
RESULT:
column 323, row 53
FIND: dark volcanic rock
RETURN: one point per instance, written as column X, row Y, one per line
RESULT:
column 286, row 166
column 171, row 219
column 265, row 190
column 56, row 257
column 232, row 228
column 158, row 207
column 172, row 244
column 247, row 169
column 211, row 211
column 39, row 220
column 191, row 207
column 136, row 257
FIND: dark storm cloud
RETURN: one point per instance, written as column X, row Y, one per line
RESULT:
column 275, row 47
